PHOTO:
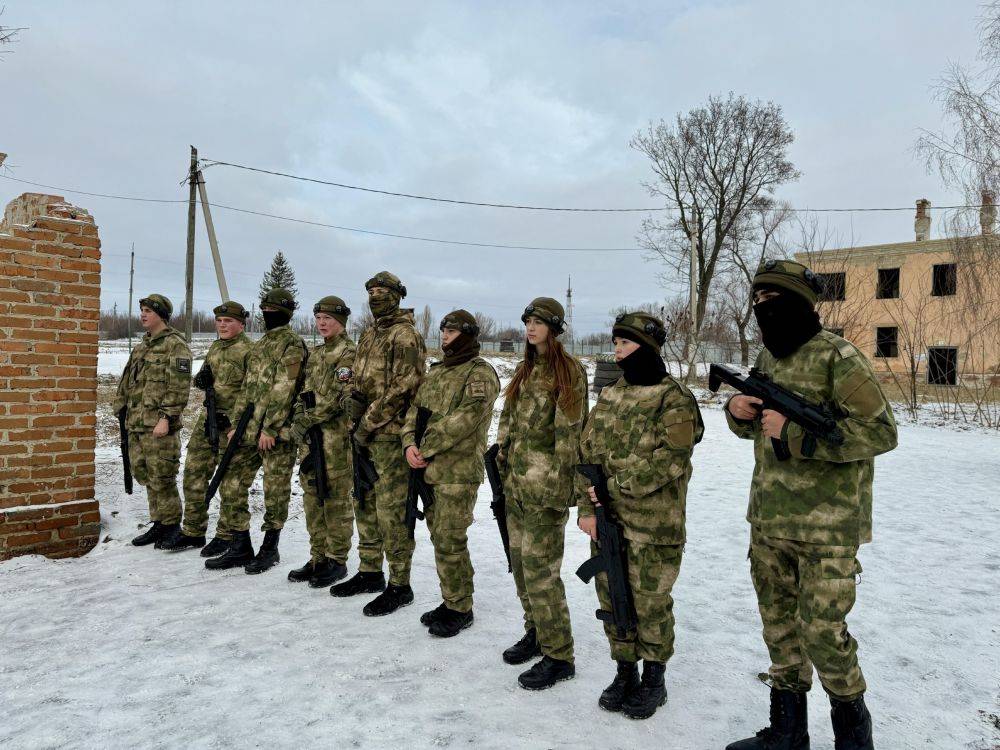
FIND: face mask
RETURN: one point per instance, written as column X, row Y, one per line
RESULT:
column 644, row 366
column 383, row 304
column 786, row 322
column 274, row 318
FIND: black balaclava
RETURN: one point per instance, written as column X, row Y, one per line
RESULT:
column 786, row 322
column 463, row 349
column 384, row 304
column 275, row 318
column 644, row 366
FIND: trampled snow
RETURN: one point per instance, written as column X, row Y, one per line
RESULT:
column 130, row 647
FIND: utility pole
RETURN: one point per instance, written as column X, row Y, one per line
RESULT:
column 189, row 265
column 212, row 241
column 131, row 277
column 693, row 307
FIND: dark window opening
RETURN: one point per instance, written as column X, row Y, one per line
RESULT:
column 888, row 284
column 886, row 344
column 832, row 286
column 942, row 365
column 945, row 280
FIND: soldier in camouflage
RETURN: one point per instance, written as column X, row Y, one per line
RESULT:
column 329, row 377
column 388, row 370
column 539, row 438
column 459, row 391
column 809, row 514
column 642, row 431
column 224, row 369
column 154, row 390
column 273, row 379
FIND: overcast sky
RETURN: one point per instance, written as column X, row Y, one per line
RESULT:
column 506, row 102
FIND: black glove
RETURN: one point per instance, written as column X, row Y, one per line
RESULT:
column 357, row 405
column 204, row 379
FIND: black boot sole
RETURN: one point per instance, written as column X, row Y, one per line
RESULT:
column 296, row 579
column 641, row 716
column 182, row 548
column 216, row 553
column 517, row 662
column 465, row 626
column 389, row 612
column 375, row 589
column 252, row 571
column 229, row 566
column 536, row 688
column 322, row 583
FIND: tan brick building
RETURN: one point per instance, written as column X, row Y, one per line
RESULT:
column 928, row 309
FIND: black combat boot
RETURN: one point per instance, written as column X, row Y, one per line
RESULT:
column 789, row 728
column 181, row 541
column 652, row 692
column 151, row 535
column 167, row 532
column 389, row 601
column 546, row 673
column 237, row 554
column 450, row 623
column 325, row 572
column 852, row 724
column 300, row 575
column 431, row 615
column 625, row 683
column 360, row 583
column 524, row 650
column 215, row 547
column 267, row 556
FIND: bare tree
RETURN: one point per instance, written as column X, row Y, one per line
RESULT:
column 712, row 166
column 510, row 333
column 360, row 322
column 425, row 321
column 487, row 326
column 8, row 35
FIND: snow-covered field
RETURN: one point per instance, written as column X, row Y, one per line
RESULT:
column 132, row 647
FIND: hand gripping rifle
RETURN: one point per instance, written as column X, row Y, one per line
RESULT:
column 416, row 486
column 611, row 557
column 227, row 455
column 499, row 504
column 315, row 462
column 817, row 420
column 126, row 462
column 205, row 380
column 365, row 474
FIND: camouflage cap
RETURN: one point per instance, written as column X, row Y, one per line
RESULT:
column 389, row 281
column 334, row 307
column 158, row 304
column 230, row 309
column 640, row 327
column 280, row 299
column 460, row 320
column 548, row 311
column 789, row 275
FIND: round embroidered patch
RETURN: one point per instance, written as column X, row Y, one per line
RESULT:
column 344, row 374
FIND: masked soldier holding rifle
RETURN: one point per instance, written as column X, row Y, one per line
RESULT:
column 153, row 392
column 810, row 508
column 322, row 423
column 458, row 392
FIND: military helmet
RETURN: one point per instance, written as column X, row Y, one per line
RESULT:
column 230, row 309
column 389, row 281
column 460, row 320
column 334, row 307
column 158, row 304
column 281, row 299
column 549, row 311
column 640, row 327
column 788, row 275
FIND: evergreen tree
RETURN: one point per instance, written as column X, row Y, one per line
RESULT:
column 280, row 274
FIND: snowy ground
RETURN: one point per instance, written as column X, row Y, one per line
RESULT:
column 132, row 647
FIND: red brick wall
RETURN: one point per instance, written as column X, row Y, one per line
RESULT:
column 50, row 286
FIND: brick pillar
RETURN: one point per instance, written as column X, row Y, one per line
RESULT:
column 50, row 286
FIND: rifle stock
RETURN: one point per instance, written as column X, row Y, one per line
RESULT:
column 416, row 486
column 316, row 458
column 227, row 456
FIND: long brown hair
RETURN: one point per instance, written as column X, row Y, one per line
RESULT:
column 563, row 370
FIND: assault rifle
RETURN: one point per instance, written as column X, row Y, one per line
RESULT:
column 315, row 462
column 499, row 504
column 611, row 557
column 205, row 380
column 817, row 420
column 365, row 474
column 416, row 486
column 126, row 462
column 227, row 456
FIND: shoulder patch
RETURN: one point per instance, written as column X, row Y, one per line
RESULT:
column 344, row 374
column 183, row 364
column 477, row 389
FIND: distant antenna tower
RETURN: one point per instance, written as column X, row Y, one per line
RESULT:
column 569, row 309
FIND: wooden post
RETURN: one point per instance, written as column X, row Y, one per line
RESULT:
column 189, row 265
column 212, row 241
column 131, row 278
column 693, row 308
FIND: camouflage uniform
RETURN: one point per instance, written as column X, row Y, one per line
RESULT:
column 155, row 384
column 460, row 399
column 540, row 446
column 643, row 437
column 808, row 515
column 330, row 376
column 272, row 382
column 389, row 368
column 228, row 361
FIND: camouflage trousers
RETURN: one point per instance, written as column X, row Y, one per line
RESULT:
column 155, row 463
column 331, row 524
column 652, row 572
column 537, row 538
column 389, row 502
column 199, row 466
column 448, row 520
column 278, row 463
column 369, row 536
column 804, row 592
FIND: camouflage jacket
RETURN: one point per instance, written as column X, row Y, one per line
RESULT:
column 330, row 376
column 461, row 400
column 388, row 370
column 540, row 442
column 228, row 360
column 643, row 437
column 273, row 380
column 156, row 381
column 826, row 498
